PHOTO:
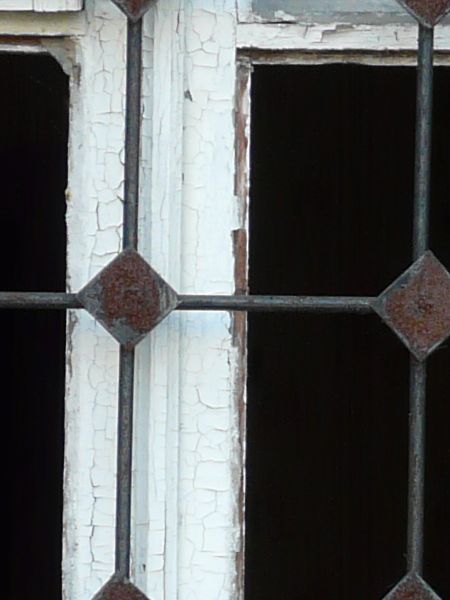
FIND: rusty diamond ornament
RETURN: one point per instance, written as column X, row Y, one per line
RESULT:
column 116, row 589
column 128, row 298
column 427, row 12
column 412, row 587
column 134, row 9
column 417, row 306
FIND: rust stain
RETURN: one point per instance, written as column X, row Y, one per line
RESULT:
column 134, row 9
column 417, row 306
column 130, row 292
column 241, row 122
column 428, row 12
column 239, row 338
column 239, row 319
column 240, row 260
column 241, row 191
column 412, row 587
column 119, row 590
column 128, row 298
column 20, row 39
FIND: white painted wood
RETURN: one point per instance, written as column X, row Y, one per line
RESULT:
column 244, row 10
column 327, row 6
column 209, row 530
column 41, row 5
column 185, row 503
column 48, row 25
column 156, row 513
column 334, row 36
column 16, row 4
column 57, row 5
column 94, row 217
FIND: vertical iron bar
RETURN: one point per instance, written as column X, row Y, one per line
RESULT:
column 424, row 115
column 124, row 463
column 418, row 380
column 418, row 369
column 132, row 134
column 130, row 239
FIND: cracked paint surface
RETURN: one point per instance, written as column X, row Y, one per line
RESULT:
column 186, row 536
column 208, row 499
column 41, row 5
column 94, row 217
column 370, row 12
column 335, row 36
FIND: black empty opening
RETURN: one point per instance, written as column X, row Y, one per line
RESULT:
column 33, row 159
column 332, row 163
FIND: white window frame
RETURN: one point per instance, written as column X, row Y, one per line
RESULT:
column 41, row 5
column 290, row 42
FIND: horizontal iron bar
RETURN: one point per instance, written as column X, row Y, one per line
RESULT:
column 39, row 300
column 325, row 304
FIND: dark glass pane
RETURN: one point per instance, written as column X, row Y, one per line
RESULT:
column 331, row 213
column 33, row 157
column 333, row 162
column 437, row 498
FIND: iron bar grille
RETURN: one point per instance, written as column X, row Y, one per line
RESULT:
column 129, row 299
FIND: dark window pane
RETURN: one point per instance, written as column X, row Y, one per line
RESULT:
column 33, row 157
column 331, row 213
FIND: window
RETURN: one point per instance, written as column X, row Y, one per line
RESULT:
column 327, row 438
column 185, row 537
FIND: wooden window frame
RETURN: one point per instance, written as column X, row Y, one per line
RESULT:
column 41, row 5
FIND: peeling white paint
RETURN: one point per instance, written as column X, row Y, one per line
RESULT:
column 94, row 230
column 41, row 5
column 185, row 440
column 186, row 536
column 335, row 36
column 207, row 563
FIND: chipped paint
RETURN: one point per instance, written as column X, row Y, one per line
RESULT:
column 208, row 536
column 41, row 5
column 94, row 215
column 336, row 36
column 368, row 12
column 239, row 320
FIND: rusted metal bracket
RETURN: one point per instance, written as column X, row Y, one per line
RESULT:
column 412, row 587
column 134, row 9
column 417, row 306
column 427, row 12
column 128, row 298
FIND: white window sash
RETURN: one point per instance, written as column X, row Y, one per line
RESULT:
column 41, row 5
